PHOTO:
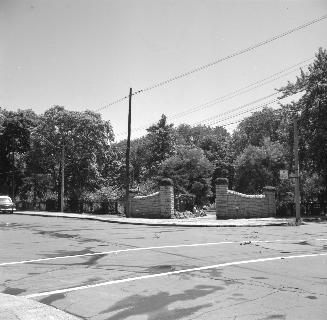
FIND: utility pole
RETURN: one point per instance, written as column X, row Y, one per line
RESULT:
column 13, row 170
column 127, row 210
column 297, row 175
column 62, row 179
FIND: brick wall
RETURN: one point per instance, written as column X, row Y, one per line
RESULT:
column 233, row 205
column 156, row 205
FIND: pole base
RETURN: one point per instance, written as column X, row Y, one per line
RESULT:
column 298, row 221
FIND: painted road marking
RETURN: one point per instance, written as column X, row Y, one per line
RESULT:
column 164, row 274
column 153, row 248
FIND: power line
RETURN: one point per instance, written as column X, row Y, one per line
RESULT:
column 212, row 122
column 229, row 124
column 237, row 108
column 278, row 99
column 233, row 110
column 231, row 95
column 112, row 103
column 244, row 112
column 240, row 91
column 213, row 63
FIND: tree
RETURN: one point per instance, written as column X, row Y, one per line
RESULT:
column 14, row 143
column 257, row 167
column 191, row 173
column 311, row 111
column 255, row 129
column 140, row 154
column 85, row 139
column 213, row 141
column 161, row 144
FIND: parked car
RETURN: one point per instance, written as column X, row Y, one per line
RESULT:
column 6, row 204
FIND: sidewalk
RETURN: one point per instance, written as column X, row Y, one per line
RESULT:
column 207, row 221
column 19, row 308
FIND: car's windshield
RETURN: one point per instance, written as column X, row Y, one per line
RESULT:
column 5, row 200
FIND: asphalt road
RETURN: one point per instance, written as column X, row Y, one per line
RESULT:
column 98, row 270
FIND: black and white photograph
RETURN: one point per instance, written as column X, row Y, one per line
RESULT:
column 163, row 159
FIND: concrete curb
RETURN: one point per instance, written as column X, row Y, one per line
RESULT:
column 208, row 221
column 20, row 308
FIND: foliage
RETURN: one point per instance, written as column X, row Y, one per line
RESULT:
column 102, row 195
column 14, row 142
column 84, row 138
column 257, row 167
column 161, row 142
column 191, row 173
column 312, row 186
column 32, row 147
column 221, row 181
column 255, row 129
column 140, row 154
column 311, row 111
column 165, row 182
column 148, row 187
column 213, row 141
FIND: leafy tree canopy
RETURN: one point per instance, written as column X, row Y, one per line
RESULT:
column 85, row 139
column 213, row 141
column 161, row 142
column 255, row 129
column 257, row 167
column 15, row 130
column 311, row 112
column 191, row 173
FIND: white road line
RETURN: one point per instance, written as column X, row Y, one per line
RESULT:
column 157, row 275
column 153, row 248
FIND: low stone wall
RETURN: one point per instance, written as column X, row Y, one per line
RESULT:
column 233, row 205
column 145, row 206
column 156, row 205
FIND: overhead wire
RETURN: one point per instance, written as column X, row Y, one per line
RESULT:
column 111, row 104
column 242, row 90
column 243, row 112
column 230, row 95
column 237, row 108
column 277, row 100
column 213, row 63
column 212, row 119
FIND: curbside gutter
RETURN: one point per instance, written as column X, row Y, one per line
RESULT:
column 207, row 221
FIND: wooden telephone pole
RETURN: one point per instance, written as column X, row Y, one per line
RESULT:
column 13, row 170
column 128, row 147
column 297, row 175
column 62, row 190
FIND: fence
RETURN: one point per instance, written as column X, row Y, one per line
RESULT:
column 49, row 205
column 92, row 207
column 307, row 209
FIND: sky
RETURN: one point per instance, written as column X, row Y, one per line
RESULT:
column 85, row 54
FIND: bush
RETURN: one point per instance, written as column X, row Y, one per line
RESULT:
column 222, row 181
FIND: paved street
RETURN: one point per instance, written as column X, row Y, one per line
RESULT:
column 101, row 271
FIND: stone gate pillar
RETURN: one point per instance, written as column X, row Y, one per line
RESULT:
column 221, row 198
column 166, row 198
column 270, row 201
